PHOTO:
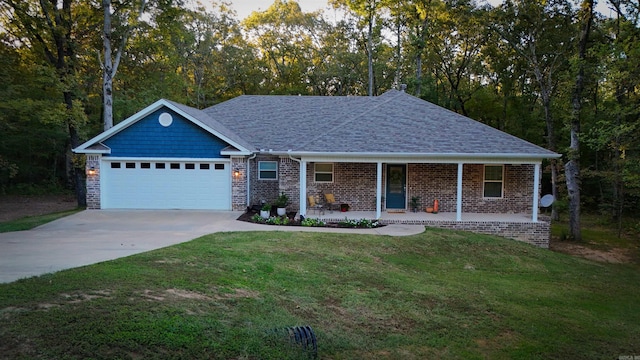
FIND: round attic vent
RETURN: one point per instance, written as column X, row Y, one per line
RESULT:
column 165, row 119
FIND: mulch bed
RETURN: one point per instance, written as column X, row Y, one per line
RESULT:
column 250, row 213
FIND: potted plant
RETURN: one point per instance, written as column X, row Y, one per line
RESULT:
column 281, row 204
column 265, row 211
column 415, row 203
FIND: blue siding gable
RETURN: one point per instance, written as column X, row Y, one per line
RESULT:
column 148, row 138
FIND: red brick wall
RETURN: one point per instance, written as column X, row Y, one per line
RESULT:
column 355, row 184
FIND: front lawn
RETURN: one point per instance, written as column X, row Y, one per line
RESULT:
column 439, row 294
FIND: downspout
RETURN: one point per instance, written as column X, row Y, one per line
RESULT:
column 249, row 178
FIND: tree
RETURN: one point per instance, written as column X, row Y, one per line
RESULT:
column 47, row 28
column 367, row 10
column 286, row 39
column 110, row 65
column 572, row 167
column 540, row 32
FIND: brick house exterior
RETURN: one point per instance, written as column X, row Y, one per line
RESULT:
column 373, row 153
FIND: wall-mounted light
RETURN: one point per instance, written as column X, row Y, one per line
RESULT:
column 236, row 173
column 91, row 171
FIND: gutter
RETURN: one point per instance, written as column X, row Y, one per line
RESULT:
column 423, row 155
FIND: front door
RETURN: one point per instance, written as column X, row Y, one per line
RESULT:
column 396, row 186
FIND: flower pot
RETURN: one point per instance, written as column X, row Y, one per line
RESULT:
column 282, row 211
column 265, row 214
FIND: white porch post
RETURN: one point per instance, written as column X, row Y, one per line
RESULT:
column 379, row 191
column 303, row 188
column 459, row 194
column 536, row 192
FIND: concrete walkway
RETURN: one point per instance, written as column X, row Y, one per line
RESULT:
column 93, row 236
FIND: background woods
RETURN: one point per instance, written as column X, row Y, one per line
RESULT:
column 552, row 72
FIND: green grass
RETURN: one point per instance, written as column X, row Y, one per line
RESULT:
column 30, row 222
column 439, row 294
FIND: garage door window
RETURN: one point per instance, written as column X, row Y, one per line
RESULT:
column 190, row 166
column 268, row 170
column 219, row 166
column 204, row 167
column 115, row 165
column 160, row 166
column 175, row 166
column 145, row 166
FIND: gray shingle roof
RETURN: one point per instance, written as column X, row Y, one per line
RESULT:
column 394, row 122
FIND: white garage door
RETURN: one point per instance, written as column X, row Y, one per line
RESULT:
column 165, row 185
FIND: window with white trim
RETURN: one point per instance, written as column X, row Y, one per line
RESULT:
column 267, row 170
column 323, row 172
column 493, row 181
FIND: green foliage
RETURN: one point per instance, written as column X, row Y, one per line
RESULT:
column 266, row 207
column 278, row 220
column 440, row 294
column 282, row 201
column 361, row 223
column 312, row 222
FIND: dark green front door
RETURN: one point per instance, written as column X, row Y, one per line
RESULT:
column 396, row 186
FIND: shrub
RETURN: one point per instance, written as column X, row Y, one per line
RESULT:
column 312, row 222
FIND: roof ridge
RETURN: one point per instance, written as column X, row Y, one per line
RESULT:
column 368, row 110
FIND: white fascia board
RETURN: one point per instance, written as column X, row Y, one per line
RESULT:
column 142, row 114
column 120, row 126
column 419, row 158
column 236, row 153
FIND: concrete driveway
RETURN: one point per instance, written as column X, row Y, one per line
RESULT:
column 93, row 236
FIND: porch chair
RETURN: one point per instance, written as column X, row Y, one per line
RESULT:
column 314, row 205
column 332, row 204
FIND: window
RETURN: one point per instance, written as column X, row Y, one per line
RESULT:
column 268, row 170
column 145, row 165
column 160, row 166
column 323, row 172
column 204, row 167
column 218, row 166
column 190, row 166
column 493, row 181
column 130, row 165
column 175, row 166
column 115, row 165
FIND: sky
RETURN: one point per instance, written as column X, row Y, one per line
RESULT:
column 246, row 7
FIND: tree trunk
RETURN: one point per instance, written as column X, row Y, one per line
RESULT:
column 572, row 168
column 551, row 145
column 107, row 68
column 110, row 66
column 370, row 50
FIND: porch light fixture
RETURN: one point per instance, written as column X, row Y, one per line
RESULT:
column 91, row 171
column 236, row 173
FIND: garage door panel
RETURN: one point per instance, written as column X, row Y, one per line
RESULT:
column 168, row 188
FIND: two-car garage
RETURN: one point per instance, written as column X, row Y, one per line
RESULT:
column 165, row 184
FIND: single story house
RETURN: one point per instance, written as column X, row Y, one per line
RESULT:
column 373, row 153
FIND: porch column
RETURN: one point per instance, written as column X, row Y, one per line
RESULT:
column 459, row 194
column 379, row 191
column 303, row 188
column 536, row 192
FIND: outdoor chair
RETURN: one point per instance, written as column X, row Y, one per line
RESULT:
column 332, row 204
column 315, row 205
